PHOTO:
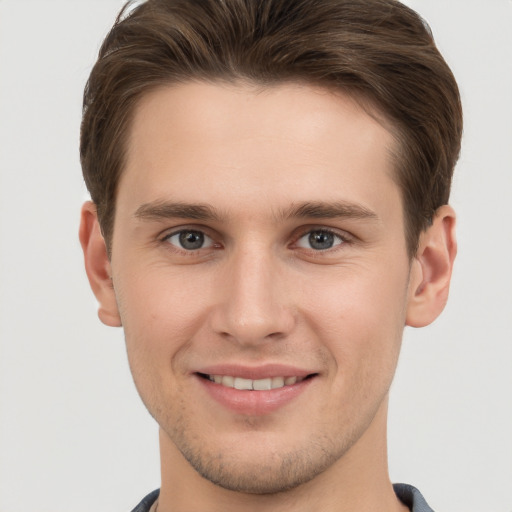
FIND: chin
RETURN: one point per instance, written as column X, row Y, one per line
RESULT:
column 290, row 473
column 264, row 472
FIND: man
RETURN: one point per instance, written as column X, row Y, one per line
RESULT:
column 269, row 183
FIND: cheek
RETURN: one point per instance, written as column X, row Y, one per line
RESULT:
column 159, row 317
column 159, row 299
column 361, row 315
column 160, row 312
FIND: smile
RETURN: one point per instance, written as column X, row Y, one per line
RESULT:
column 242, row 384
column 254, row 391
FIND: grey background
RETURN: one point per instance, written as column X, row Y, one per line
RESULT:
column 73, row 433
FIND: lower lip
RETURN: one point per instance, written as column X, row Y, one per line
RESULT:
column 254, row 403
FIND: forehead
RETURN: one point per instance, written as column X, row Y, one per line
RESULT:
column 234, row 145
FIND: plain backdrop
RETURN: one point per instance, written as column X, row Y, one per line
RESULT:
column 74, row 435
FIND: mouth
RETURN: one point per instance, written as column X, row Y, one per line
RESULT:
column 255, row 391
column 244, row 384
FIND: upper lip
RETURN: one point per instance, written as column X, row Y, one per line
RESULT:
column 255, row 372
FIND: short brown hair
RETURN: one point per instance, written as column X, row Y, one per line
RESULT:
column 379, row 50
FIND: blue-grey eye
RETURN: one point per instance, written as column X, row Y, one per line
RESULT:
column 319, row 240
column 190, row 240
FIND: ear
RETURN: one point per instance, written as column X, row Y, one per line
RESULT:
column 431, row 269
column 97, row 265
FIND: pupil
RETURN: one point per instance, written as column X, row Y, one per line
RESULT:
column 321, row 240
column 191, row 239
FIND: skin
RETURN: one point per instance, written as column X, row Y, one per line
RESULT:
column 257, row 291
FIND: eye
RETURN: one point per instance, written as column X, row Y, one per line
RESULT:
column 189, row 240
column 319, row 240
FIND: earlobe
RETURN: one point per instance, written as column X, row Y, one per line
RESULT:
column 97, row 265
column 431, row 269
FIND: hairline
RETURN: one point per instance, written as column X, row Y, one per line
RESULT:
column 368, row 104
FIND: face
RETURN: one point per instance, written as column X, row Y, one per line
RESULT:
column 261, row 274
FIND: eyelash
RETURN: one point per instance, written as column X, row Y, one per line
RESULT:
column 189, row 252
column 342, row 238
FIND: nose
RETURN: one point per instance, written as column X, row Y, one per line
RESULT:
column 255, row 305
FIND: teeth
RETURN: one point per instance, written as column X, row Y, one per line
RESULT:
column 277, row 382
column 257, row 385
column 242, row 383
column 262, row 384
column 227, row 381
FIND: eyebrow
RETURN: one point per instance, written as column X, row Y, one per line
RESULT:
column 328, row 210
column 161, row 210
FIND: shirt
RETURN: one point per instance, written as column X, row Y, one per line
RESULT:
column 407, row 494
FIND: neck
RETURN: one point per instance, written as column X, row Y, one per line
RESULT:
column 358, row 482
